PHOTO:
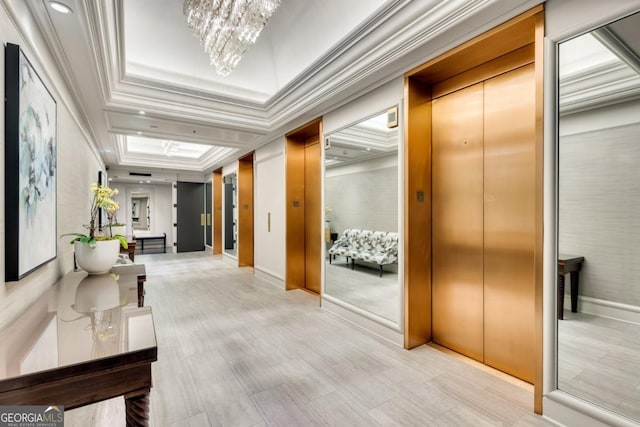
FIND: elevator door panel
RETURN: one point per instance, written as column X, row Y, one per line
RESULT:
column 509, row 186
column 312, row 215
column 457, row 234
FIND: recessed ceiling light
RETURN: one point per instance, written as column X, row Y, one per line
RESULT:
column 368, row 149
column 59, row 7
column 110, row 179
column 148, row 181
column 140, row 182
column 139, row 133
column 142, row 112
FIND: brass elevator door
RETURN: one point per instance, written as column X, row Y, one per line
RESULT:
column 457, row 209
column 509, row 222
column 312, row 215
column 483, row 195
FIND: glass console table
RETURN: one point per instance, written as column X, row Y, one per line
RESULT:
column 87, row 339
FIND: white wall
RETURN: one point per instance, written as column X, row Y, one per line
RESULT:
column 161, row 206
column 599, row 198
column 364, row 107
column 363, row 195
column 77, row 164
column 269, row 190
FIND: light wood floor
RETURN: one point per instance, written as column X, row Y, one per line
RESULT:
column 598, row 361
column 363, row 288
column 236, row 351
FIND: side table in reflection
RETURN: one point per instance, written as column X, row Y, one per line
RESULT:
column 568, row 264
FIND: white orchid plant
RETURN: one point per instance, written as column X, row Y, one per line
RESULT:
column 102, row 199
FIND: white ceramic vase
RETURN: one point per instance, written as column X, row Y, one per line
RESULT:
column 97, row 260
column 97, row 292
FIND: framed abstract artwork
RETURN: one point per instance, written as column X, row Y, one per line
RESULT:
column 30, row 168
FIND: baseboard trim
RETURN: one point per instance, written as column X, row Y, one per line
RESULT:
column 230, row 259
column 380, row 327
column 566, row 410
column 604, row 308
column 269, row 277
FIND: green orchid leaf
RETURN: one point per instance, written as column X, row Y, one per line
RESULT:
column 123, row 240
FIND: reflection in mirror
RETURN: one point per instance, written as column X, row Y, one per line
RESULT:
column 598, row 217
column 230, row 214
column 140, row 211
column 361, row 211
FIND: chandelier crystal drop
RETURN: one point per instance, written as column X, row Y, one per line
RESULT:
column 227, row 27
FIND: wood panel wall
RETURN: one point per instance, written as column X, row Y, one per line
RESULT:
column 245, row 211
column 297, row 198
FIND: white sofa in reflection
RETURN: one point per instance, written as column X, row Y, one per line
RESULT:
column 378, row 247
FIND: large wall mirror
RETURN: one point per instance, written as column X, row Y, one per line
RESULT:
column 140, row 211
column 230, row 214
column 599, row 217
column 361, row 212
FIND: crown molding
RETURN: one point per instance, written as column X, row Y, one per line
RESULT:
column 141, row 73
column 399, row 35
column 360, row 137
column 368, row 58
column 154, row 161
column 399, row 27
column 53, row 67
column 122, row 91
column 618, row 47
column 600, row 86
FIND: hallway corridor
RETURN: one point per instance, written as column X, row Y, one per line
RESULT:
column 236, row 351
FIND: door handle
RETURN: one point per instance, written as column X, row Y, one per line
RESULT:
column 208, row 219
column 268, row 222
column 201, row 219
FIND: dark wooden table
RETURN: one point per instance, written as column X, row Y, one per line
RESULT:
column 84, row 341
column 131, row 248
column 568, row 264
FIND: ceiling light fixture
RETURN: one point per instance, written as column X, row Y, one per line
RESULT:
column 142, row 112
column 59, row 7
column 226, row 28
column 170, row 147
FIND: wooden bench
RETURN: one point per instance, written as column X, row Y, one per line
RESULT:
column 152, row 237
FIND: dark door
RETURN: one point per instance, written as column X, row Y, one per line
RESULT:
column 208, row 235
column 228, row 216
column 190, row 216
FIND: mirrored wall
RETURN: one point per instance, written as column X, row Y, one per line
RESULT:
column 140, row 211
column 361, row 212
column 599, row 217
column 230, row 232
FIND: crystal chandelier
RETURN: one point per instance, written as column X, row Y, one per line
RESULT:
column 227, row 27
